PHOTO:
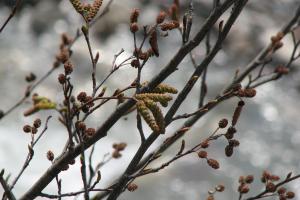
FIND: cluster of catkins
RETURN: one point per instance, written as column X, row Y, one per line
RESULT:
column 153, row 32
column 147, row 106
column 87, row 11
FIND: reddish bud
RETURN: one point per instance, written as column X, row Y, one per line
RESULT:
column 270, row 187
column 132, row 187
column 134, row 27
column 37, row 123
column 213, row 163
column 202, row 154
column 290, row 195
column 50, row 155
column 61, row 78
column 27, row 128
column 223, row 123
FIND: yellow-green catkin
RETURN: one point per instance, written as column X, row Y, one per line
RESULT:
column 156, row 97
column 40, row 103
column 88, row 11
column 164, row 88
column 157, row 114
column 78, row 6
column 45, row 105
column 95, row 8
column 146, row 114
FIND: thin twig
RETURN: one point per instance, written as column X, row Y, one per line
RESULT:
column 7, row 191
column 83, row 167
column 263, row 193
column 43, row 131
column 30, row 89
column 11, row 15
column 265, row 52
column 85, row 31
column 30, row 154
column 50, row 196
column 192, row 121
column 27, row 92
column 58, row 182
column 102, row 131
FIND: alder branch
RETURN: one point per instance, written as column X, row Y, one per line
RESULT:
column 264, row 53
column 30, row 153
column 190, row 122
column 32, row 87
column 264, row 193
column 180, row 98
column 66, row 157
column 102, row 131
column 50, row 196
column 7, row 191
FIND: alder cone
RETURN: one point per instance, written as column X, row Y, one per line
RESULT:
column 228, row 150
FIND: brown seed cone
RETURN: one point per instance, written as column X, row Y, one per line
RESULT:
column 249, row 179
column 205, row 144
column 68, row 67
column 27, row 128
column 243, row 189
column 134, row 27
column 120, row 146
column 281, row 190
column 213, row 163
column 37, row 123
column 116, row 154
column 228, row 150
column 82, row 96
column 290, row 195
column 250, row 92
column 270, row 187
column 50, row 155
column 223, row 123
column 132, row 187
column 202, row 154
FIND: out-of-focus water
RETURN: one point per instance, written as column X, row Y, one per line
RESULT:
column 269, row 128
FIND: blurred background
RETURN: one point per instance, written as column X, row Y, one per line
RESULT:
column 269, row 128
